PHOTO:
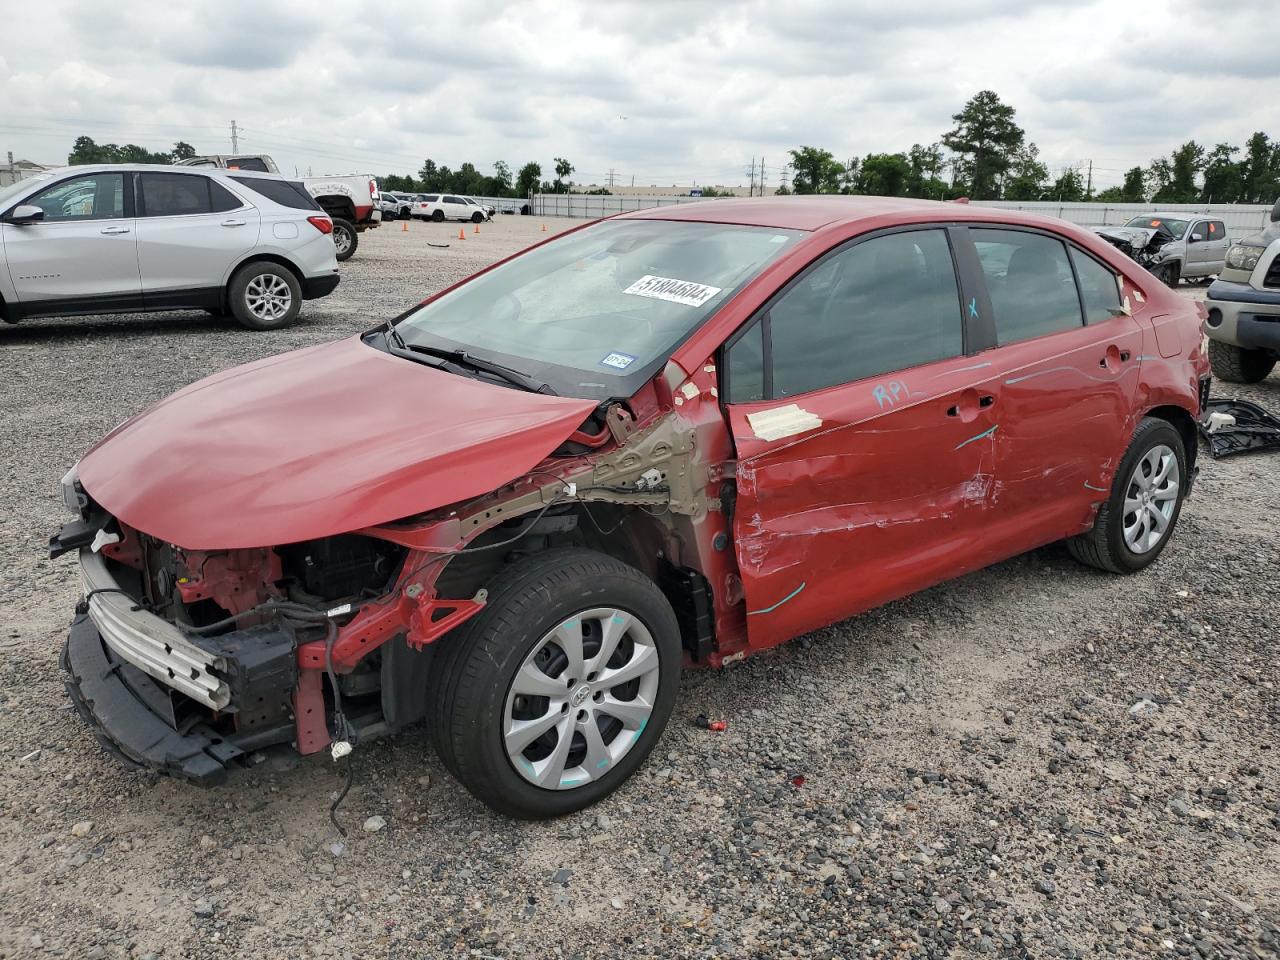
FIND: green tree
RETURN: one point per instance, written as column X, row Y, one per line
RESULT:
column 398, row 183
column 1174, row 179
column 563, row 170
column 501, row 179
column 183, row 151
column 985, row 140
column 816, row 171
column 527, row 179
column 1260, row 173
column 1027, row 175
column 924, row 179
column 1134, row 189
column 429, row 174
column 884, row 174
column 1068, row 188
column 1223, row 176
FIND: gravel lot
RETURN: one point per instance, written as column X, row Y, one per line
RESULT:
column 961, row 773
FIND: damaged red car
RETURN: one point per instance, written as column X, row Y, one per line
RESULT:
column 672, row 438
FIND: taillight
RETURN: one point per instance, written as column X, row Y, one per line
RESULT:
column 323, row 224
column 373, row 189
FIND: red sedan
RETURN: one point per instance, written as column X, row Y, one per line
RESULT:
column 671, row 438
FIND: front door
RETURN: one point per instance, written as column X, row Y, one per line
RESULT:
column 190, row 232
column 83, row 255
column 864, row 435
column 1068, row 359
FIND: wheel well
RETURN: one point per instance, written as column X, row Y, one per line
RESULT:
column 258, row 258
column 1185, row 424
column 338, row 207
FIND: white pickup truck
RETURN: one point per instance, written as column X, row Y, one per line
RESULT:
column 351, row 201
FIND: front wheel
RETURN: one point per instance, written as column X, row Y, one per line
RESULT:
column 345, row 238
column 1137, row 521
column 1168, row 273
column 555, row 693
column 477, row 217
column 1237, row 364
column 438, row 216
column 264, row 296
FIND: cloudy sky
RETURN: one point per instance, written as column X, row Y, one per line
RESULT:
column 659, row 90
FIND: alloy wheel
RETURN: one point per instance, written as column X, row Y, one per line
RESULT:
column 341, row 240
column 268, row 297
column 1150, row 499
column 581, row 699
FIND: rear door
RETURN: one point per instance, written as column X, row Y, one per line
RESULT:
column 84, row 253
column 191, row 230
column 455, row 208
column 1217, row 246
column 1068, row 356
column 863, row 433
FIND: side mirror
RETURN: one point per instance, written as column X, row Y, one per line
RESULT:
column 27, row 213
column 1196, row 237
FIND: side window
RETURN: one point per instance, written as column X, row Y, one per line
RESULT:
column 248, row 163
column 174, row 195
column 745, row 364
column 1033, row 292
column 97, row 196
column 452, row 200
column 222, row 198
column 1099, row 288
column 1217, row 230
column 876, row 306
column 1199, row 229
column 432, row 198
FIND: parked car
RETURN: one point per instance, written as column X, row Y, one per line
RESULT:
column 653, row 441
column 351, row 201
column 447, row 206
column 1173, row 246
column 125, row 238
column 1244, row 307
column 394, row 207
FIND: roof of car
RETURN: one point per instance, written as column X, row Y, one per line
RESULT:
column 1167, row 215
column 815, row 212
column 157, row 168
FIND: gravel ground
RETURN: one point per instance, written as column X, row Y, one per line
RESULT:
column 961, row 773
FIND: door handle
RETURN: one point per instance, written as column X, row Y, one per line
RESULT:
column 110, row 230
column 234, row 223
column 1114, row 355
column 984, row 402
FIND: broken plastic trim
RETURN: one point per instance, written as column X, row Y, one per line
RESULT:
column 1254, row 428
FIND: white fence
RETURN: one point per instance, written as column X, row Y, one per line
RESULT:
column 1240, row 219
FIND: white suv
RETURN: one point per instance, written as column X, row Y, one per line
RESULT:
column 448, row 206
column 125, row 238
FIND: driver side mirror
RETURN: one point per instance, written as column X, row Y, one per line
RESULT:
column 26, row 213
column 1197, row 237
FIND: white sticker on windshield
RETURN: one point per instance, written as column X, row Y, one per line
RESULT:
column 676, row 291
column 619, row 361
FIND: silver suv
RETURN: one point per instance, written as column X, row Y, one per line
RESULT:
column 1244, row 307
column 126, row 238
column 1173, row 246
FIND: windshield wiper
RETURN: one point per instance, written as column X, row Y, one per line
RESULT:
column 393, row 335
column 512, row 376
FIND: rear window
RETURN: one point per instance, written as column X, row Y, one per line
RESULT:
column 255, row 164
column 287, row 193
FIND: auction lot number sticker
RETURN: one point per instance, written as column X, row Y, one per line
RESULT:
column 675, row 291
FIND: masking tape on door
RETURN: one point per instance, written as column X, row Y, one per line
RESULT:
column 782, row 422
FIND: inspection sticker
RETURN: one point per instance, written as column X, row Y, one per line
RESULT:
column 619, row 361
column 676, row 291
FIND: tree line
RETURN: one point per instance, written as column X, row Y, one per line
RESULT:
column 85, row 150
column 992, row 159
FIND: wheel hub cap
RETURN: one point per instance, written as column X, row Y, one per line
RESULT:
column 1151, row 497
column 581, row 699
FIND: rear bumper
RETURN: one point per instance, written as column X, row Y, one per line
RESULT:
column 1243, row 315
column 313, row 288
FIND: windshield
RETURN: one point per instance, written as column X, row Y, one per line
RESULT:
column 6, row 193
column 595, row 312
column 1176, row 227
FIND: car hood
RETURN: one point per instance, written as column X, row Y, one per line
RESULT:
column 318, row 442
column 1138, row 237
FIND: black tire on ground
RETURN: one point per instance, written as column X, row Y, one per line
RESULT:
column 1104, row 546
column 477, row 217
column 476, row 665
column 1168, row 273
column 246, row 291
column 1237, row 364
column 345, row 238
column 437, row 216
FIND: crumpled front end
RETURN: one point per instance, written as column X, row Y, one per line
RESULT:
column 1143, row 244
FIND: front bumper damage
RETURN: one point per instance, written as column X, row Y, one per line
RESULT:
column 139, row 682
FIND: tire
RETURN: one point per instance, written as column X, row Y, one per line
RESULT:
column 345, row 238
column 1238, row 364
column 1168, row 273
column 437, row 216
column 1107, row 545
column 264, row 296
column 477, row 217
column 473, row 683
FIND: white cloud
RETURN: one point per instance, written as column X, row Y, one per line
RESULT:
column 703, row 86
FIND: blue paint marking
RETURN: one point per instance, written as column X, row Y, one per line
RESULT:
column 984, row 433
column 1092, row 487
column 1040, row 373
column 602, row 764
column 640, row 729
column 618, row 619
column 573, row 780
column 973, row 307
column 752, row 613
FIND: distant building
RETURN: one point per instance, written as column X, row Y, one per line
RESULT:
column 16, row 170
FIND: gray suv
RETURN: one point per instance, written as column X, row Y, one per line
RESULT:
column 1173, row 245
column 1244, row 307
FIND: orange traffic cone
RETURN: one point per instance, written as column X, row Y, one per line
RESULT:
column 404, row 226
column 544, row 228
column 476, row 228
column 462, row 234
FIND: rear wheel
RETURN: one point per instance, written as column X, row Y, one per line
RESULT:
column 1137, row 521
column 345, row 238
column 264, row 296
column 555, row 693
column 438, row 216
column 1237, row 364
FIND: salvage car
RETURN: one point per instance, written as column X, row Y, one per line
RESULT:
column 1243, row 326
column 1173, row 246
column 672, row 438
column 129, row 238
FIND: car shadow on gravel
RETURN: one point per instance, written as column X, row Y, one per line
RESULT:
column 119, row 326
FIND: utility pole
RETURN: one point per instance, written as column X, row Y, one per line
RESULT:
column 235, row 138
column 751, row 189
column 762, row 176
column 1088, row 190
column 611, row 176
column 786, row 172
